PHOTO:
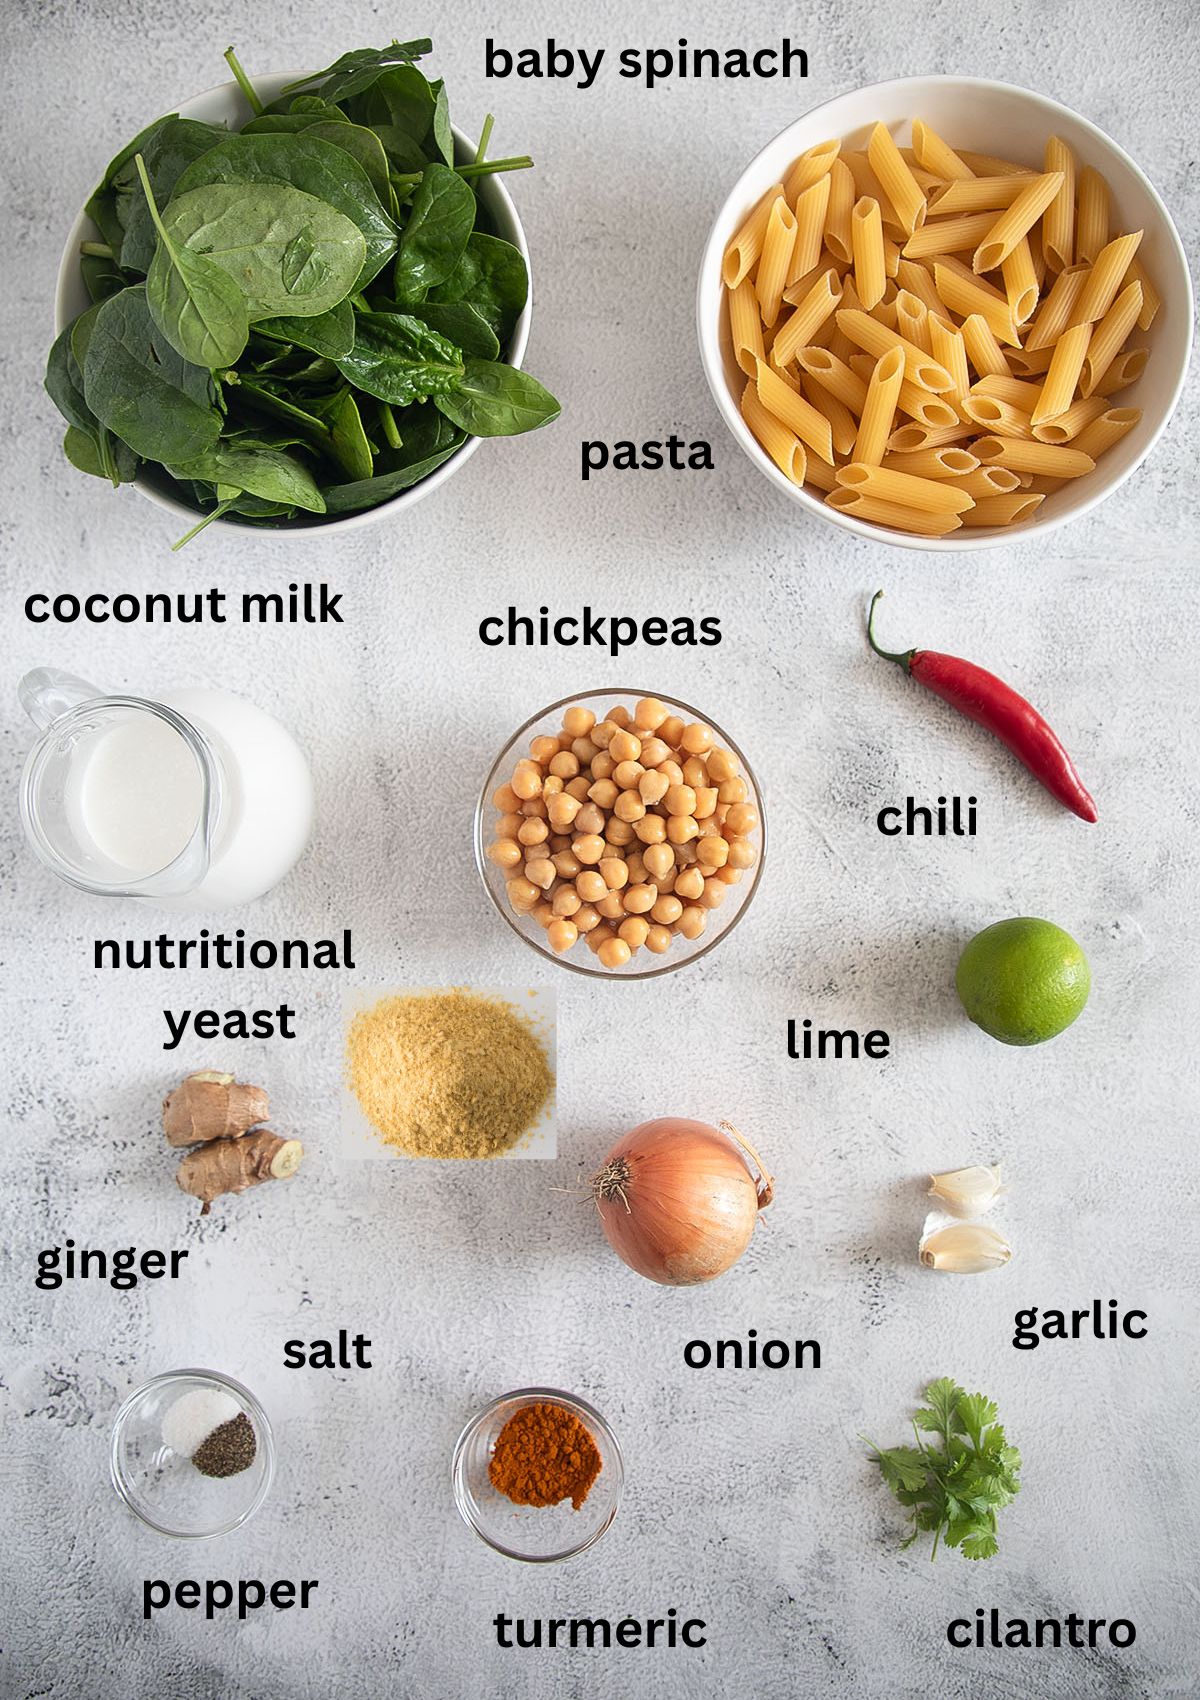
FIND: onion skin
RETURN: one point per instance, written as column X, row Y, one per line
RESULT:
column 678, row 1201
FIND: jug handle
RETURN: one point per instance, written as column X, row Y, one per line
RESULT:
column 46, row 694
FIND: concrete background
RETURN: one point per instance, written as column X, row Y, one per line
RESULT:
column 748, row 1499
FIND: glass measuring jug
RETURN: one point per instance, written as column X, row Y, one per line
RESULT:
column 198, row 801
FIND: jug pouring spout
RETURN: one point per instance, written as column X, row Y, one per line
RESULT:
column 46, row 694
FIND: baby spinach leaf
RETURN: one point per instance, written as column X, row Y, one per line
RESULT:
column 101, row 206
column 267, row 473
column 404, row 155
column 141, row 388
column 100, row 454
column 398, row 359
column 287, row 251
column 348, row 443
column 492, row 276
column 102, row 277
column 494, row 400
column 330, row 334
column 176, row 142
column 196, row 305
column 369, row 492
column 357, row 70
column 258, row 395
column 64, row 384
column 461, row 324
column 435, row 236
column 312, row 166
column 401, row 98
column 443, row 135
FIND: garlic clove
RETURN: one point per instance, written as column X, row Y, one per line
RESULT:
column 968, row 1192
column 962, row 1248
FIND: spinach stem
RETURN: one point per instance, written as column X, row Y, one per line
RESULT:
column 388, row 420
column 360, row 303
column 100, row 250
column 221, row 507
column 521, row 162
column 247, row 88
column 484, row 139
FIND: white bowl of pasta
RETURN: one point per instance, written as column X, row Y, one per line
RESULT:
column 945, row 313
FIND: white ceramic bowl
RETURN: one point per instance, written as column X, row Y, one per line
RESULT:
column 983, row 117
column 226, row 104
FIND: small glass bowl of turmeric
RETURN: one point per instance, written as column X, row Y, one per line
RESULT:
column 538, row 1475
column 620, row 834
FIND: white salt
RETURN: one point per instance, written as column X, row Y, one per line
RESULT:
column 194, row 1415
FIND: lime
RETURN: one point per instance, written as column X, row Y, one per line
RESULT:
column 1023, row 980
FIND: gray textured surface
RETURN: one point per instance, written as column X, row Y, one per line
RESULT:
column 748, row 1502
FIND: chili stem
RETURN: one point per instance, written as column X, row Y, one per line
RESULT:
column 246, row 86
column 903, row 659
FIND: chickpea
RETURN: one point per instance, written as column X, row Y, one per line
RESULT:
column 712, row 853
column 590, row 818
column 627, row 774
column 578, row 722
column 741, row 819
column 620, row 717
column 586, row 918
column 615, row 873
column 640, row 899
column 714, row 894
column 659, row 859
column 596, row 938
column 566, row 901
column 706, row 802
column 577, row 788
column 565, row 765
column 544, row 750
column 692, row 922
column 673, row 772
column 610, row 906
column 506, row 800
column 654, row 752
column 534, row 807
column 721, row 811
column 522, row 895
column 658, row 939
column 635, row 869
column 614, row 953
column 680, row 828
column 602, row 733
column 552, row 786
column 685, row 854
column 721, row 764
column 666, row 910
column 542, row 913
column 590, row 885
column 742, row 853
column 505, row 853
column 584, row 751
column 651, row 829
column 541, row 872
column 602, row 766
column 697, row 738
column 649, row 714
column 629, row 806
column 566, row 863
column 689, row 884
column 561, row 935
column 681, row 800
column 612, row 852
column 603, row 793
column 695, row 773
column 506, row 825
column 533, row 831
column 563, row 809
column 732, row 791
column 626, row 746
column 557, row 842
column 652, row 788
column 634, row 931
column 526, row 783
column 620, row 833
column 589, row 847
column 729, row 875
column 670, row 730
column 665, row 883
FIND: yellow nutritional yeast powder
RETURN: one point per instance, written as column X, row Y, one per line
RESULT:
column 448, row 1074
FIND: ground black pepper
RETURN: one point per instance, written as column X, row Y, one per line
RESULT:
column 229, row 1449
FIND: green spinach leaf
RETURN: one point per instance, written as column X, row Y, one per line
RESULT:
column 368, row 493
column 492, row 276
column 196, row 305
column 267, row 473
column 348, row 443
column 140, row 387
column 330, row 334
column 494, row 400
column 398, row 359
column 461, row 324
column 433, row 241
column 176, row 142
column 355, row 71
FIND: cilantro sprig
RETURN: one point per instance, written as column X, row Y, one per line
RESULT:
column 954, row 1483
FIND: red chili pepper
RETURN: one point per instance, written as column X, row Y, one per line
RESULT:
column 987, row 700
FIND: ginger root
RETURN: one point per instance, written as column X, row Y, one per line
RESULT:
column 235, row 1165
column 211, row 1105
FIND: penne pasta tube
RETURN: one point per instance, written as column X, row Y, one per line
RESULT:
column 975, row 195
column 745, row 327
column 950, row 462
column 1106, row 277
column 1091, row 218
column 1047, row 459
column 1109, row 337
column 949, row 350
column 896, row 180
column 1020, row 282
column 1012, row 390
column 842, row 196
column 1057, row 309
column 893, row 514
column 1072, row 420
column 867, row 186
column 1000, row 418
column 1058, row 221
column 1037, row 258
column 891, row 257
column 842, row 424
column 866, row 241
column 879, row 408
column 983, row 351
column 779, row 240
column 820, row 475
column 937, row 156
column 1098, row 437
column 791, row 409
column 948, row 236
column 989, row 481
column 1016, row 221
column 783, row 446
column 795, row 292
column 1151, row 299
column 1126, row 369
column 931, row 495
column 867, row 333
column 913, row 436
column 815, row 163
column 799, row 328
column 824, row 367
column 925, row 407
column 810, row 207
column 912, row 320
column 918, row 280
column 1004, row 510
column 965, row 294
column 1066, row 364
column 741, row 256
column 1027, row 365
column 987, row 165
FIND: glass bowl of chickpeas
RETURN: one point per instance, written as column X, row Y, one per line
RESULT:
column 620, row 833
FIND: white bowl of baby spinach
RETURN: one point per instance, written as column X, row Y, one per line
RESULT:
column 296, row 303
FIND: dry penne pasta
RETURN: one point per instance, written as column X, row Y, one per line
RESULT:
column 779, row 239
column 1000, row 418
column 948, row 348
column 1126, row 369
column 1030, row 456
column 820, row 474
column 1151, row 299
column 783, row 446
column 920, row 404
column 896, row 180
column 966, row 294
column 987, row 165
column 1020, row 282
column 931, row 495
column 833, row 374
column 1062, row 378
column 879, row 408
column 866, row 241
column 1110, row 336
column 913, row 436
column 989, row 481
column 1015, row 391
column 1016, row 221
column 936, row 155
column 791, row 409
column 842, row 424
column 816, row 163
column 950, row 462
column 975, row 195
column 918, row 280
column 1058, row 225
column 799, row 328
column 842, row 196
column 741, row 256
column 983, row 351
column 867, row 333
column 1027, row 365
column 1106, row 278
column 811, row 207
column 1091, row 217
column 745, row 327
column 1003, row 510
column 1058, row 308
column 893, row 514
column 959, row 235
column 912, row 320
column 1070, row 423
column 1098, row 437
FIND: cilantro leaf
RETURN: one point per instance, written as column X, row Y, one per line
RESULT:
column 903, row 1467
column 975, row 1413
column 980, row 1546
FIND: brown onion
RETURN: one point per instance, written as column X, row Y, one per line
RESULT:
column 679, row 1201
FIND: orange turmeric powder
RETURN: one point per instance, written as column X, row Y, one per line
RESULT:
column 544, row 1454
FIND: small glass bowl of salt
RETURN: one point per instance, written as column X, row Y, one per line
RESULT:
column 192, row 1453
